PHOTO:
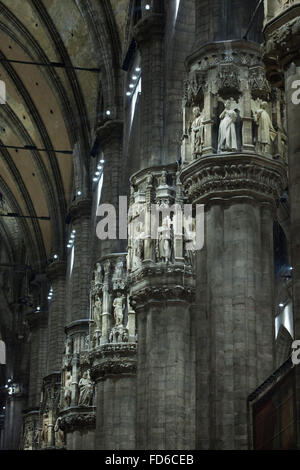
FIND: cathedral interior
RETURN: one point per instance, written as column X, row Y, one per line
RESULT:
column 123, row 331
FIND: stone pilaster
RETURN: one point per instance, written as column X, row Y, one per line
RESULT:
column 234, row 295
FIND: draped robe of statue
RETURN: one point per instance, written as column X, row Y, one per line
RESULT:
column 85, row 390
column 227, row 133
column 265, row 128
column 197, row 135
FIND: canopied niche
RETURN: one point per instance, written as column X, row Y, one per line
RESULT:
column 276, row 7
column 228, row 104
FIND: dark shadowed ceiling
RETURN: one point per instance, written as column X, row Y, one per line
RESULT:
column 49, row 108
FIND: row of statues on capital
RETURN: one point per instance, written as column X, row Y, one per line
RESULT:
column 85, row 388
column 101, row 272
column 164, row 244
column 118, row 310
column 227, row 133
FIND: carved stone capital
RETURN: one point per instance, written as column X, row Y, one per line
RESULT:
column 151, row 26
column 225, row 177
column 282, row 44
column 164, row 294
column 113, row 359
column 77, row 418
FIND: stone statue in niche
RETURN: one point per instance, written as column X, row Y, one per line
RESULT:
column 164, row 241
column 197, row 132
column 118, row 305
column 227, row 140
column 164, row 176
column 266, row 132
column 98, row 275
column 68, row 390
column 59, row 435
column 68, row 346
column 28, row 439
column 85, row 390
column 118, row 274
column 138, row 247
column 44, row 432
column 119, row 334
column 97, row 312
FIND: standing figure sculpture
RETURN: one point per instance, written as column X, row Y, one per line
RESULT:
column 68, row 390
column 118, row 305
column 98, row 275
column 265, row 129
column 197, row 132
column 118, row 274
column 164, row 242
column 59, row 435
column 85, row 390
column 138, row 246
column 227, row 140
column 97, row 312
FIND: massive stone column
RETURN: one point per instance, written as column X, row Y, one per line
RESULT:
column 282, row 59
column 51, row 384
column 235, row 317
column 239, row 175
column 76, row 421
column 113, row 355
column 38, row 323
column 111, row 141
column 162, row 293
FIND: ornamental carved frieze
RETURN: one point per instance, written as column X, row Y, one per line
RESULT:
column 113, row 359
column 253, row 177
column 75, row 421
column 163, row 294
column 228, row 76
column 258, row 82
column 196, row 83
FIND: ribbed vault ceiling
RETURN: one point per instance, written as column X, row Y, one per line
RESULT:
column 46, row 107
